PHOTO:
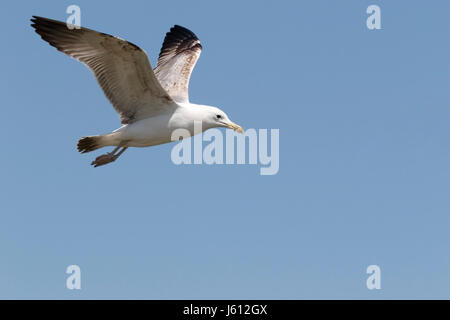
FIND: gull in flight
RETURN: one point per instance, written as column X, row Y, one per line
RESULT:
column 151, row 103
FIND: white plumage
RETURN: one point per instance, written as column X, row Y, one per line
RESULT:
column 151, row 103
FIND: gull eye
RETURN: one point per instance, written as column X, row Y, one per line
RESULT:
column 218, row 116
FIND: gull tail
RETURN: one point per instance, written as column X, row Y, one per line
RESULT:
column 91, row 143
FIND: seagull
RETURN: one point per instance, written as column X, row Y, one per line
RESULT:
column 151, row 103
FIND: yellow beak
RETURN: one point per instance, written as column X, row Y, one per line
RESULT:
column 235, row 127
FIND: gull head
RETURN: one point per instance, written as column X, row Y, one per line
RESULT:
column 213, row 117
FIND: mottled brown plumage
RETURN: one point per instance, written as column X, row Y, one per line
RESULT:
column 122, row 69
column 179, row 54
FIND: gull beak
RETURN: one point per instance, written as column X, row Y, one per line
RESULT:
column 235, row 127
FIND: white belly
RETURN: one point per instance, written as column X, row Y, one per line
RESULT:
column 159, row 129
column 146, row 132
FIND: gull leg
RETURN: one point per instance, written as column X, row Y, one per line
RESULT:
column 108, row 157
column 120, row 152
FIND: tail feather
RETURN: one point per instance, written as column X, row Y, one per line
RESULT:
column 88, row 144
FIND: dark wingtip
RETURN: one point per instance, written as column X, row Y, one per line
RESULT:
column 37, row 19
column 34, row 20
column 179, row 39
column 182, row 31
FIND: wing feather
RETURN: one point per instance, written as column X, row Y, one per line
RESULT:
column 179, row 54
column 122, row 69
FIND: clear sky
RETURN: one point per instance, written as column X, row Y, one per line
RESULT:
column 364, row 172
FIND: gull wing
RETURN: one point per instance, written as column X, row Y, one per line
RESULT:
column 122, row 69
column 179, row 54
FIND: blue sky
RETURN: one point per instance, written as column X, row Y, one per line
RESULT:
column 364, row 157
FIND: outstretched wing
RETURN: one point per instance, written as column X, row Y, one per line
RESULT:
column 179, row 54
column 122, row 69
